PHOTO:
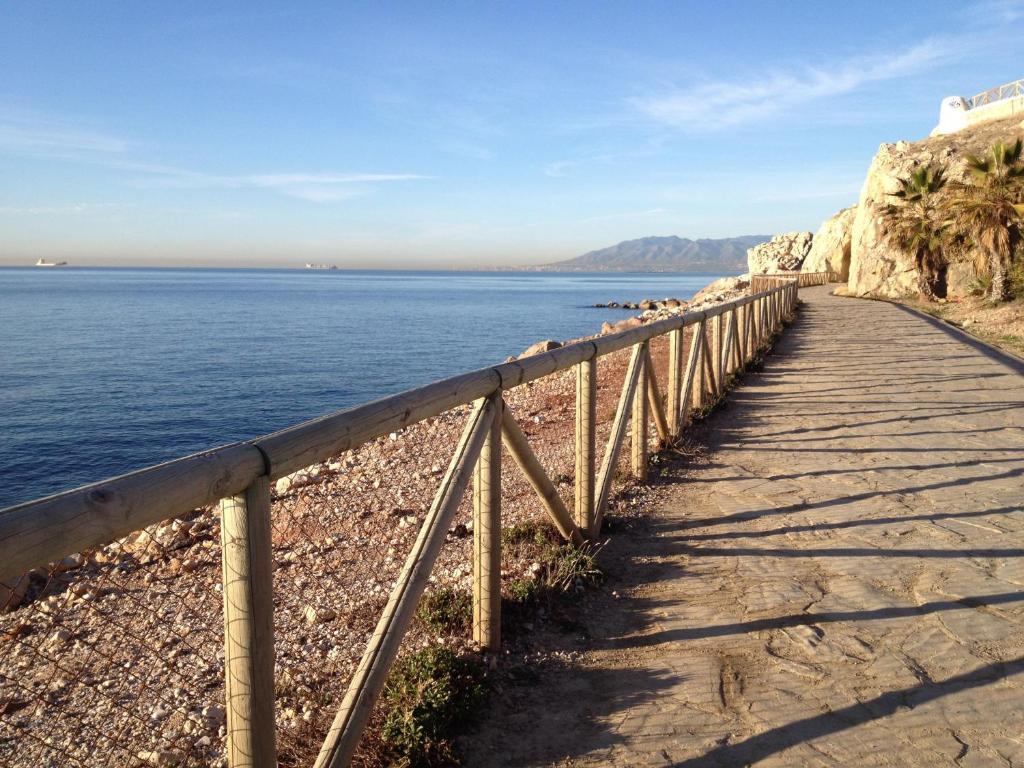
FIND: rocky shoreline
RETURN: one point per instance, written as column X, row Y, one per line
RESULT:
column 127, row 639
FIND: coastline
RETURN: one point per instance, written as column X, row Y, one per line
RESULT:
column 341, row 530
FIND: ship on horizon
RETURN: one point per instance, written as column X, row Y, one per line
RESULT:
column 45, row 263
column 320, row 266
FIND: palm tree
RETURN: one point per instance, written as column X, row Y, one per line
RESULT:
column 989, row 209
column 917, row 223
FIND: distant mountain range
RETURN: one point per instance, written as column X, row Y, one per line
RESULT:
column 666, row 254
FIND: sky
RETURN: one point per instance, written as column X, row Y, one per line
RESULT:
column 458, row 134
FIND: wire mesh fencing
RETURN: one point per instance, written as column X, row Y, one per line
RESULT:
column 114, row 656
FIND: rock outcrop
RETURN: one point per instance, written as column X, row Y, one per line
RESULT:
column 831, row 246
column 876, row 267
column 720, row 290
column 783, row 253
column 541, row 346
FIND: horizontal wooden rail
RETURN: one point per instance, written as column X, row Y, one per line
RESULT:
column 769, row 280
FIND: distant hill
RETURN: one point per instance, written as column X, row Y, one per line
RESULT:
column 667, row 254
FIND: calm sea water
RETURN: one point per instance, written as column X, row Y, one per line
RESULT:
column 107, row 370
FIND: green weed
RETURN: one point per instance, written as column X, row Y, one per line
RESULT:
column 429, row 694
column 447, row 611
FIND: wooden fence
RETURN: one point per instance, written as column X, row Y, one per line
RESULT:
column 803, row 279
column 238, row 477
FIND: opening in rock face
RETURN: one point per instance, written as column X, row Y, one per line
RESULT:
column 940, row 286
column 844, row 268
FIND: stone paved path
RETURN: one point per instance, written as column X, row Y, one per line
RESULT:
column 841, row 585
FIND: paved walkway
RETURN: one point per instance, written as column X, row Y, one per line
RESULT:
column 841, row 585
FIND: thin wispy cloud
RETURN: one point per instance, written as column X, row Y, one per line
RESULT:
column 314, row 187
column 562, row 168
column 715, row 105
column 65, row 138
column 995, row 11
column 29, row 133
column 58, row 210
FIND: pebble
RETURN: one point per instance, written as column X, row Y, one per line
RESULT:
column 60, row 637
column 160, row 757
column 318, row 616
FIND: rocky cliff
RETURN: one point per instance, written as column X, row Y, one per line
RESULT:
column 877, row 268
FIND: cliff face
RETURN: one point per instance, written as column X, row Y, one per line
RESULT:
column 878, row 269
column 831, row 246
column 826, row 251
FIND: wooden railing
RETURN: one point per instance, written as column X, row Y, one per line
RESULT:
column 803, row 279
column 992, row 95
column 238, row 476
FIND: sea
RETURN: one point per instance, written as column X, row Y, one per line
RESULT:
column 106, row 370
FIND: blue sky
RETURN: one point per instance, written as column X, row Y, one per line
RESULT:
column 458, row 134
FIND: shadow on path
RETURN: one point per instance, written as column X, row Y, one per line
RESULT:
column 776, row 740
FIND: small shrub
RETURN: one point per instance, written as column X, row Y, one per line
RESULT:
column 524, row 591
column 564, row 567
column 532, row 539
column 574, row 567
column 427, row 695
column 447, row 611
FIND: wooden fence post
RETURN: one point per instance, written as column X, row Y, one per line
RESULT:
column 655, row 402
column 639, row 434
column 586, row 442
column 744, row 334
column 487, row 536
column 735, row 355
column 708, row 364
column 717, row 349
column 675, row 370
column 699, row 396
column 611, row 453
column 247, row 563
column 729, row 321
column 691, row 380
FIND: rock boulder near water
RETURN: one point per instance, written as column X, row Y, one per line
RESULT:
column 722, row 289
column 623, row 325
column 783, row 253
column 541, row 346
column 12, row 592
